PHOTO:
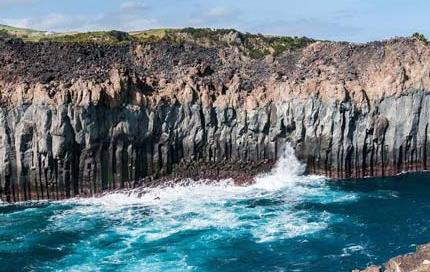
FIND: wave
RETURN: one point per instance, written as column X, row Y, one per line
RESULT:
column 288, row 172
column 265, row 208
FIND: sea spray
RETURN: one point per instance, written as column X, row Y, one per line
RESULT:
column 192, row 205
column 287, row 172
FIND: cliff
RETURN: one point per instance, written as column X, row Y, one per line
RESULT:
column 79, row 118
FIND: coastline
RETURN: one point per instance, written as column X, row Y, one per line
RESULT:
column 241, row 174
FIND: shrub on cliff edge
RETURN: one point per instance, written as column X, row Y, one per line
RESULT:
column 421, row 37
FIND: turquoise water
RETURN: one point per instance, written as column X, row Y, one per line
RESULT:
column 285, row 222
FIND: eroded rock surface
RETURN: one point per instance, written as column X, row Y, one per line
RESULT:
column 414, row 262
column 79, row 119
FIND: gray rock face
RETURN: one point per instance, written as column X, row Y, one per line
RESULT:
column 63, row 138
column 67, row 151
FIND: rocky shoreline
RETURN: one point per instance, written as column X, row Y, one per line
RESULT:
column 79, row 119
column 413, row 262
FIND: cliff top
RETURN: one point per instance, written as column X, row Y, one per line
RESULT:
column 254, row 45
column 221, row 63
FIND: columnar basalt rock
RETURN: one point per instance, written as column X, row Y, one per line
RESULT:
column 80, row 119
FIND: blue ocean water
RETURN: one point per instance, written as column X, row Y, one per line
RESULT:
column 284, row 222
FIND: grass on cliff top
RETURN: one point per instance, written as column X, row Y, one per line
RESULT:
column 102, row 37
column 150, row 35
column 110, row 37
column 22, row 33
column 253, row 45
column 18, row 29
column 31, row 35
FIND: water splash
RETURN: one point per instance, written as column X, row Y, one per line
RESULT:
column 193, row 205
column 287, row 172
column 288, row 165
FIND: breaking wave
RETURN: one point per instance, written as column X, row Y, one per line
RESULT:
column 197, row 205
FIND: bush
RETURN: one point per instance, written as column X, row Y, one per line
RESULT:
column 3, row 33
column 420, row 37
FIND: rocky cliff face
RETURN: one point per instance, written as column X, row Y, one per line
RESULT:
column 79, row 119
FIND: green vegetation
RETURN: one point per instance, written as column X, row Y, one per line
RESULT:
column 3, row 34
column 18, row 30
column 420, row 37
column 109, row 37
column 254, row 45
column 280, row 44
column 275, row 45
column 204, row 33
column 30, row 35
column 23, row 33
column 149, row 35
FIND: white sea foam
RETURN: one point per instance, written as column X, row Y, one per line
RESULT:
column 287, row 172
column 385, row 194
column 352, row 248
column 289, row 225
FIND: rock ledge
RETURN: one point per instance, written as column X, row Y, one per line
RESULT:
column 413, row 262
